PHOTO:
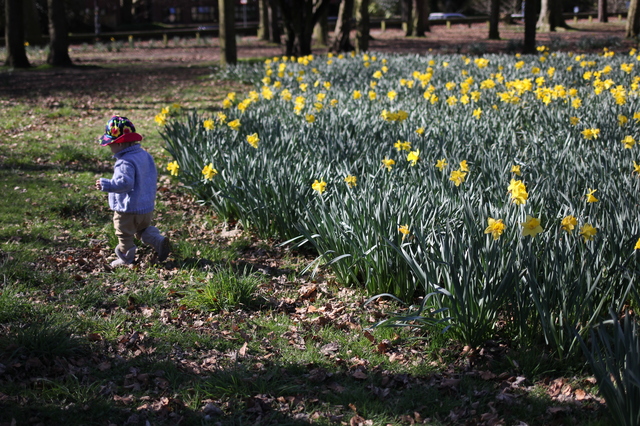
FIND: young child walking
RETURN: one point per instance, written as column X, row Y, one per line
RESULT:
column 132, row 192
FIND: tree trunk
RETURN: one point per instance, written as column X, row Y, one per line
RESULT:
column 362, row 25
column 529, row 45
column 125, row 11
column 602, row 11
column 545, row 21
column 32, row 29
column 263, row 21
column 406, row 12
column 420, row 18
column 299, row 17
column 227, row 32
column 14, row 35
column 494, row 20
column 633, row 20
column 58, row 35
column 274, row 21
column 321, row 29
column 342, row 32
column 556, row 14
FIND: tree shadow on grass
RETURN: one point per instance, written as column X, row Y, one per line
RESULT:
column 52, row 374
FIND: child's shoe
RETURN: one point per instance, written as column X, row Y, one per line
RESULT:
column 124, row 259
column 160, row 244
column 164, row 250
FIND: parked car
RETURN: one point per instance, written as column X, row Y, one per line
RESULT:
column 438, row 15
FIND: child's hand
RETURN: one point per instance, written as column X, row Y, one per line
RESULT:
column 98, row 185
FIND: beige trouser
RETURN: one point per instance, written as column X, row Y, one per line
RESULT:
column 129, row 225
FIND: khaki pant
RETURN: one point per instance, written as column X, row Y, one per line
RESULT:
column 129, row 225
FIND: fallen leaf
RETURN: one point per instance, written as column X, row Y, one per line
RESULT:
column 359, row 374
column 330, row 348
column 243, row 350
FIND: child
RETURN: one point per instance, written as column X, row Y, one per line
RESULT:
column 132, row 192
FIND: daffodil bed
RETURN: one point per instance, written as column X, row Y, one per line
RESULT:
column 507, row 185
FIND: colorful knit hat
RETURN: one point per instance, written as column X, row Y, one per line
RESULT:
column 119, row 130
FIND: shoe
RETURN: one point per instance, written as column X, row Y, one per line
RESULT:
column 164, row 250
column 119, row 262
column 124, row 259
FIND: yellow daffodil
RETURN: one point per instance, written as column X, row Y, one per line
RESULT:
column 174, row 168
column 253, row 140
column 420, row 131
column 588, row 232
column 235, row 124
column 637, row 246
column 518, row 190
column 404, row 230
column 477, row 113
column 515, row 169
column 457, row 177
column 402, row 146
column 568, row 223
column 622, row 120
column 310, row 118
column 636, row 168
column 628, row 142
column 591, row 133
column 319, row 186
column 161, row 119
column 209, row 172
column 574, row 121
column 208, row 124
column 496, row 227
column 351, row 181
column 357, row 94
column 413, row 157
column 388, row 163
column 590, row 197
column 441, row 164
column 531, row 227
column 464, row 166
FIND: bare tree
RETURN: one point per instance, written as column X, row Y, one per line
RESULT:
column 420, row 18
column 125, row 11
column 602, row 11
column 362, row 25
column 529, row 45
column 58, row 35
column 227, row 32
column 550, row 16
column 274, row 24
column 494, row 20
column 633, row 20
column 14, row 35
column 545, row 22
column 321, row 29
column 299, row 17
column 32, row 29
column 406, row 8
column 263, row 21
column 341, row 40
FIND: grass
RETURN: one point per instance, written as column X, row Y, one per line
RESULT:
column 227, row 321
